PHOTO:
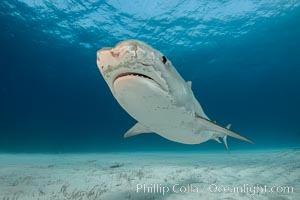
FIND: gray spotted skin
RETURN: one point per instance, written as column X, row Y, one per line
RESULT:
column 151, row 90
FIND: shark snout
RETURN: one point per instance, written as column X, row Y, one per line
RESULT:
column 111, row 57
column 108, row 57
column 103, row 58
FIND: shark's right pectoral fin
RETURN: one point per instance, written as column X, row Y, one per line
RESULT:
column 137, row 129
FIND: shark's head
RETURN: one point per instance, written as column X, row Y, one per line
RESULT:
column 132, row 59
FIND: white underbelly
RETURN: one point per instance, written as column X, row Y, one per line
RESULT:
column 145, row 101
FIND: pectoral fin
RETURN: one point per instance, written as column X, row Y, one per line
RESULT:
column 137, row 129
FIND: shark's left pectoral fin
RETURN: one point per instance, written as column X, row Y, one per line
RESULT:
column 137, row 129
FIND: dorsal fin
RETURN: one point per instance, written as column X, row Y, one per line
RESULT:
column 189, row 83
column 228, row 126
column 137, row 129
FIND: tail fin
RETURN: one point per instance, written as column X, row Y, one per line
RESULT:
column 235, row 135
column 207, row 125
column 225, row 142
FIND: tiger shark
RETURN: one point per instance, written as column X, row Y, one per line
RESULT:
column 149, row 88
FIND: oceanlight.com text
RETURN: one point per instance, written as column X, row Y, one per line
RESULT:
column 250, row 189
column 212, row 188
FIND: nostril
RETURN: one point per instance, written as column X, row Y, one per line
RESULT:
column 115, row 55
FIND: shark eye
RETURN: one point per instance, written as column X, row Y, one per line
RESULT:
column 164, row 59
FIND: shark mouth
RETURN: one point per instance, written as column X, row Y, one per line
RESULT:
column 134, row 74
column 139, row 75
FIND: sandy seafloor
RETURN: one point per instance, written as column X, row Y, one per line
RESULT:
column 111, row 176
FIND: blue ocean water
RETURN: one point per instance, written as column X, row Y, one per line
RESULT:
column 242, row 57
